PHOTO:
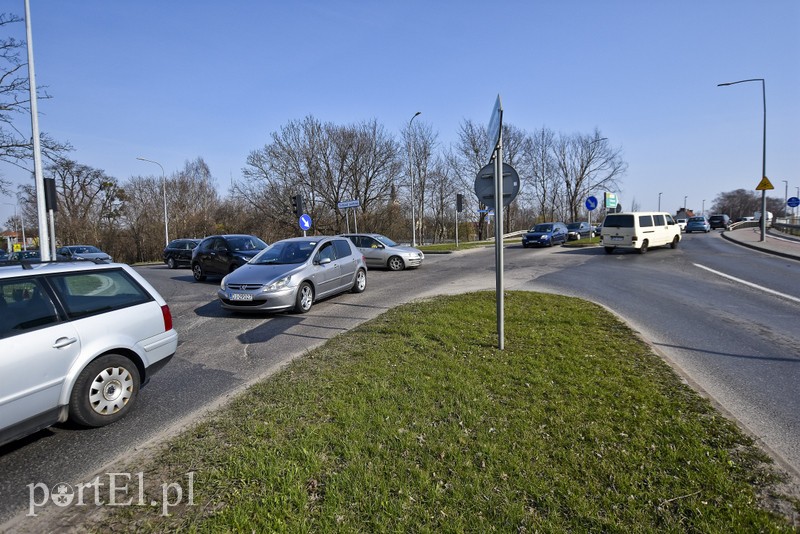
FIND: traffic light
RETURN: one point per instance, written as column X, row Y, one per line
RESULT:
column 297, row 205
column 459, row 202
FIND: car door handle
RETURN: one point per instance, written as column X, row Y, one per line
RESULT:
column 64, row 342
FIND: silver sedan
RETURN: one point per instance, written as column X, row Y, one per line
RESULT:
column 380, row 251
column 293, row 274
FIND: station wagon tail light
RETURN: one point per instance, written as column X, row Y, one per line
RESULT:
column 167, row 318
column 634, row 238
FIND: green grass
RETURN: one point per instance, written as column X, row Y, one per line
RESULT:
column 415, row 422
column 465, row 245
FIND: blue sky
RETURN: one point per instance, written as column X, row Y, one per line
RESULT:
column 175, row 80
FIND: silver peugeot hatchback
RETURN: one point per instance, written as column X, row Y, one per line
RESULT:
column 293, row 274
column 77, row 340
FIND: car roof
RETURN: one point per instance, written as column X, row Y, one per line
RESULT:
column 20, row 268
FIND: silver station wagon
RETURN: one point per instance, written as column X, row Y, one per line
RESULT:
column 77, row 340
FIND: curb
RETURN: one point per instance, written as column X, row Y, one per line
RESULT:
column 760, row 249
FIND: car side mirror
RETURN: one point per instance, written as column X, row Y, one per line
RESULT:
column 323, row 261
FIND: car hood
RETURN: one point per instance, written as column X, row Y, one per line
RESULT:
column 261, row 274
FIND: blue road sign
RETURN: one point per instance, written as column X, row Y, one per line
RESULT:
column 305, row 222
column 793, row 202
column 591, row 203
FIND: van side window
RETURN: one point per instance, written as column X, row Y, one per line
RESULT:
column 645, row 221
column 670, row 220
column 659, row 220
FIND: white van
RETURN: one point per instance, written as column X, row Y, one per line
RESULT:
column 640, row 230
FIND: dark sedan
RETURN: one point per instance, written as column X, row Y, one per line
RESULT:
column 219, row 255
column 545, row 235
column 179, row 252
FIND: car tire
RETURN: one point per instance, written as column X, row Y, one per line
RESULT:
column 396, row 263
column 198, row 273
column 105, row 391
column 609, row 250
column 171, row 263
column 674, row 243
column 304, row 299
column 360, row 283
column 643, row 248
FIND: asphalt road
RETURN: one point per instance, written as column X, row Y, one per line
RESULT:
column 736, row 342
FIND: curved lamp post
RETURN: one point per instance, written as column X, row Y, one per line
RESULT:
column 763, row 222
column 411, row 174
column 659, row 201
column 164, row 181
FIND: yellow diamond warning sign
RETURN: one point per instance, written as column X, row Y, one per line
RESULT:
column 764, row 185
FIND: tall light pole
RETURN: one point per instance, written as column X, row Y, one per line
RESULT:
column 411, row 174
column 684, row 203
column 704, row 208
column 164, row 181
column 659, row 201
column 763, row 151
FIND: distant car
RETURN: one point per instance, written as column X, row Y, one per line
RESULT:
column 380, row 251
column 579, row 230
column 745, row 219
column 545, row 235
column 294, row 273
column 32, row 255
column 219, row 255
column 83, row 252
column 682, row 224
column 697, row 224
column 78, row 340
column 719, row 221
column 179, row 252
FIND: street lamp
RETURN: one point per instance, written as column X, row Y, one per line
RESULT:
column 703, row 213
column 684, row 203
column 411, row 174
column 164, row 181
column 659, row 201
column 763, row 222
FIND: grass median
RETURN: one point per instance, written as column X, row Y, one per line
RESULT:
column 415, row 422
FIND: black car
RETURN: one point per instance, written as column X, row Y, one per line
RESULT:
column 719, row 221
column 219, row 255
column 179, row 252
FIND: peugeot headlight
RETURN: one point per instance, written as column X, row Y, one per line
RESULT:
column 279, row 284
column 222, row 284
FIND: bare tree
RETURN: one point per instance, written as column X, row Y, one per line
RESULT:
column 466, row 160
column 584, row 162
column 420, row 142
column 16, row 147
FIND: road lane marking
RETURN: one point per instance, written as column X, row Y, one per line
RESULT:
column 749, row 284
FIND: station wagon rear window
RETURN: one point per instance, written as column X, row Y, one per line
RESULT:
column 84, row 294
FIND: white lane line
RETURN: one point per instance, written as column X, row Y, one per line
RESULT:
column 749, row 284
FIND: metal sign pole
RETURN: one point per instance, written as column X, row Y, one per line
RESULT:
column 498, row 242
column 355, row 219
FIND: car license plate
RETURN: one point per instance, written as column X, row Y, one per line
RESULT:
column 241, row 296
column 616, row 238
